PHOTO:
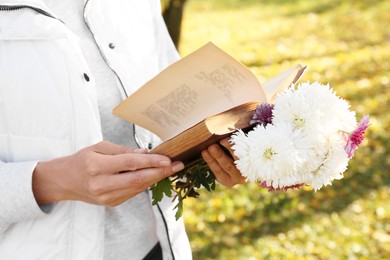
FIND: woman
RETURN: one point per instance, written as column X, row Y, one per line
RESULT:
column 65, row 193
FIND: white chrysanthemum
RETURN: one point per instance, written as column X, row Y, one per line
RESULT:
column 315, row 153
column 242, row 149
column 335, row 111
column 308, row 146
column 267, row 154
column 303, row 144
column 334, row 164
column 313, row 108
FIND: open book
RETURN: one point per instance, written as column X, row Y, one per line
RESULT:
column 199, row 100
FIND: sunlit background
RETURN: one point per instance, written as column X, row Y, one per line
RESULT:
column 345, row 43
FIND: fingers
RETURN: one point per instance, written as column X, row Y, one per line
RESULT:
column 225, row 143
column 116, row 158
column 140, row 179
column 131, row 162
column 222, row 165
column 95, row 172
column 112, row 198
column 150, row 176
column 219, row 173
column 112, row 190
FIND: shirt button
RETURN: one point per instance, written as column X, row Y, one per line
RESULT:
column 111, row 45
column 86, row 77
column 150, row 146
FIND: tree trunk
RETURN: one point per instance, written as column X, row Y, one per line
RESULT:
column 173, row 15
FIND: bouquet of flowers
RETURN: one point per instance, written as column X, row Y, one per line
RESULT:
column 306, row 137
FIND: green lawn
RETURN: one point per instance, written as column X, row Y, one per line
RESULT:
column 345, row 43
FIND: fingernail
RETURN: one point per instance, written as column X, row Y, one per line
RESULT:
column 177, row 166
column 165, row 163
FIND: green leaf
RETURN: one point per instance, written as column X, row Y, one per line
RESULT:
column 211, row 178
column 159, row 189
column 203, row 180
column 179, row 207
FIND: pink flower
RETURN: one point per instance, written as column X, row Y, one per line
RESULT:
column 285, row 188
column 356, row 137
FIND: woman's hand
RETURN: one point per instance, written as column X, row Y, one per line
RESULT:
column 222, row 164
column 104, row 174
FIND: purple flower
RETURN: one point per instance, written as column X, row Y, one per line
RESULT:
column 285, row 188
column 356, row 137
column 263, row 114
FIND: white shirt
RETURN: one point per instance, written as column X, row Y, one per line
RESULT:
column 130, row 229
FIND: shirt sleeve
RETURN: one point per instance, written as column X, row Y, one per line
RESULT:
column 17, row 201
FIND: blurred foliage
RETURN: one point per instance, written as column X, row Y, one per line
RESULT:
column 345, row 43
column 173, row 15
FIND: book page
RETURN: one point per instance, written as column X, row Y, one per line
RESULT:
column 206, row 82
column 282, row 81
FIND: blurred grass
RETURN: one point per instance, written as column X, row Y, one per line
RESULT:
column 345, row 43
